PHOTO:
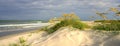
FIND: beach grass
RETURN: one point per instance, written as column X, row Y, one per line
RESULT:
column 109, row 26
column 68, row 20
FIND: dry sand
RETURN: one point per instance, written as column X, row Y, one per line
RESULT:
column 74, row 37
column 29, row 36
column 66, row 37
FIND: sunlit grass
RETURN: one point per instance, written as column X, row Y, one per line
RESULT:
column 68, row 20
column 108, row 27
column 21, row 42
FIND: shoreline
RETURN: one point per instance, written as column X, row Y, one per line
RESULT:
column 26, row 29
column 17, row 34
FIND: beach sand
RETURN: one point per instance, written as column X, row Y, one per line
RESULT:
column 28, row 36
column 75, row 37
column 66, row 36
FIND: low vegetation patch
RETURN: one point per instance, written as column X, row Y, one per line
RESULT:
column 106, row 24
column 113, row 26
column 21, row 42
column 107, row 21
column 68, row 20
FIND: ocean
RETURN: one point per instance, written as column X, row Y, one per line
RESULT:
column 14, row 25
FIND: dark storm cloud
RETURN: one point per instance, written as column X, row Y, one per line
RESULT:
column 46, row 9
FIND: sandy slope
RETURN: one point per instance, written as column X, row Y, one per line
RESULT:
column 74, row 37
column 67, row 37
column 28, row 36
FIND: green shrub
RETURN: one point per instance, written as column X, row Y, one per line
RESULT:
column 107, row 21
column 74, row 23
column 22, row 40
column 67, row 20
column 113, row 26
column 13, row 44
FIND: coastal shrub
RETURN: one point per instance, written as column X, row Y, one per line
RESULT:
column 107, row 21
column 13, row 44
column 106, row 24
column 113, row 26
column 68, row 20
column 22, row 42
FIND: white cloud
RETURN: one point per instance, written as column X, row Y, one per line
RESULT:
column 100, row 4
column 69, row 4
column 54, row 7
column 73, row 3
column 62, row 4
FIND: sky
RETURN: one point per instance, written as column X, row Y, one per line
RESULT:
column 47, row 9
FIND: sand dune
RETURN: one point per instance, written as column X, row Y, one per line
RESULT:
column 28, row 36
column 74, row 37
column 68, row 37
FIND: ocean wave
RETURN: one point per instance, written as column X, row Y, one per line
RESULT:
column 11, row 27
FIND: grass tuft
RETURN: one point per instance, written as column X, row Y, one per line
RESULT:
column 111, row 26
column 68, row 20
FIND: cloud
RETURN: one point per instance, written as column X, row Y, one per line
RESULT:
column 52, row 7
column 58, row 4
column 67, row 3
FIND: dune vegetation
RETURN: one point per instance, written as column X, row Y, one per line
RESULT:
column 70, row 20
column 106, row 24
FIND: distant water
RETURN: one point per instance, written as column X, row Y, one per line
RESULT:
column 3, row 22
column 14, row 25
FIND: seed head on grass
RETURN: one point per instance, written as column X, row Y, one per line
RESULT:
column 68, row 20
